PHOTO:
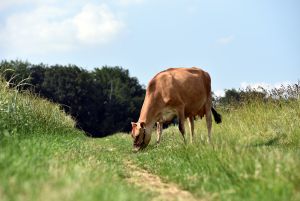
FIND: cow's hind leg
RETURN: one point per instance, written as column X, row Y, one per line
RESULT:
column 181, row 119
column 191, row 125
column 159, row 126
column 208, row 120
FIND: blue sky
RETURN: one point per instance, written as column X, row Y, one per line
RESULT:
column 239, row 42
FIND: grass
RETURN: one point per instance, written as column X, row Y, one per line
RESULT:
column 255, row 155
column 43, row 157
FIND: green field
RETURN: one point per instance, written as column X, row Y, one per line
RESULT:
column 255, row 155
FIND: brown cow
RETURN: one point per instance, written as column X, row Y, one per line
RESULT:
column 185, row 92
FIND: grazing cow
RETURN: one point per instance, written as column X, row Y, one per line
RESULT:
column 181, row 92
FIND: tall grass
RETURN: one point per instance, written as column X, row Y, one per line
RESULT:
column 263, row 123
column 25, row 113
column 255, row 155
column 43, row 157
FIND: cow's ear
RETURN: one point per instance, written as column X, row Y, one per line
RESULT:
column 133, row 124
column 142, row 125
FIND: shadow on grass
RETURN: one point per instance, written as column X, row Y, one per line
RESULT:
column 271, row 142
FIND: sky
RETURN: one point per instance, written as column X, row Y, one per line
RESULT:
column 239, row 42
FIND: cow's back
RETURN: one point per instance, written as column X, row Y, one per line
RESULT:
column 187, row 87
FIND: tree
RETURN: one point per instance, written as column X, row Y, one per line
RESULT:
column 232, row 96
column 103, row 101
column 16, row 72
column 78, row 93
column 123, row 98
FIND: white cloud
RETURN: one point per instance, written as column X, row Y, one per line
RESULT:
column 130, row 2
column 7, row 3
column 268, row 86
column 51, row 28
column 96, row 24
column 13, row 3
column 219, row 93
column 225, row 40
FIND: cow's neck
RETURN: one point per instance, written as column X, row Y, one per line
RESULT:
column 148, row 112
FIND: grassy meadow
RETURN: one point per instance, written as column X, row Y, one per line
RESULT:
column 255, row 155
column 43, row 157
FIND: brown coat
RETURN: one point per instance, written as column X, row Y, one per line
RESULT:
column 181, row 92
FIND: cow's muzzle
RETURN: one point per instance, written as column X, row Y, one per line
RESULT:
column 139, row 143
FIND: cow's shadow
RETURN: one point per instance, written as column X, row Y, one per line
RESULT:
column 270, row 142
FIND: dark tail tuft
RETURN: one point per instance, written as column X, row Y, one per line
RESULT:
column 217, row 116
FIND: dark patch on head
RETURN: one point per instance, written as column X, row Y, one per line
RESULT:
column 140, row 145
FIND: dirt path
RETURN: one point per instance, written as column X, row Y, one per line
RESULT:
column 151, row 182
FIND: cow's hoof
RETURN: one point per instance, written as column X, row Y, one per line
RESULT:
column 136, row 149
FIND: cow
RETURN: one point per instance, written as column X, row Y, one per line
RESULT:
column 181, row 92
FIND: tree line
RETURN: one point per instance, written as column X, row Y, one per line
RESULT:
column 233, row 97
column 103, row 101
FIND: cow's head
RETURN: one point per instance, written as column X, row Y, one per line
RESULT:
column 141, row 137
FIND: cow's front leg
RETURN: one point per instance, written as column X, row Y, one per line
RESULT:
column 158, row 131
column 191, row 125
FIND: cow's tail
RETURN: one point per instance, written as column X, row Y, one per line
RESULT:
column 217, row 116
